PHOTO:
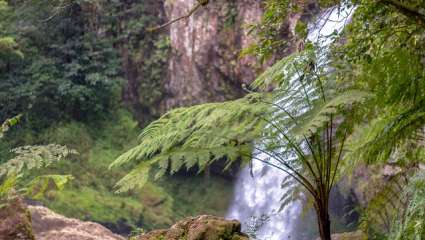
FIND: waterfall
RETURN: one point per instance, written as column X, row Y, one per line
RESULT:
column 258, row 190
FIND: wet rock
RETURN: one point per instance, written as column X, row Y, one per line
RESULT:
column 48, row 225
column 15, row 220
column 199, row 228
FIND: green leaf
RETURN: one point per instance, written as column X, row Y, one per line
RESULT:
column 43, row 184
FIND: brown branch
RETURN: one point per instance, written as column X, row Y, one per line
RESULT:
column 57, row 11
column 201, row 3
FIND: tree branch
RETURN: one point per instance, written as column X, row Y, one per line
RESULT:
column 200, row 3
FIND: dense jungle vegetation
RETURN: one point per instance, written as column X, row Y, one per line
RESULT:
column 99, row 150
column 64, row 77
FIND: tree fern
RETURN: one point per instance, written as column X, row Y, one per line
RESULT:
column 199, row 135
column 292, row 131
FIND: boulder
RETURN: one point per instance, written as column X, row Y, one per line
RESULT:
column 15, row 221
column 358, row 235
column 199, row 228
column 48, row 225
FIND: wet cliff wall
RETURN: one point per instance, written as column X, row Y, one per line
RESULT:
column 204, row 63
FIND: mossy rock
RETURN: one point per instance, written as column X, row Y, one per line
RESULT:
column 15, row 220
column 199, row 228
column 357, row 235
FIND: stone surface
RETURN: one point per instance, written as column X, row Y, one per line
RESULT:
column 199, row 228
column 204, row 65
column 15, row 221
column 358, row 235
column 48, row 225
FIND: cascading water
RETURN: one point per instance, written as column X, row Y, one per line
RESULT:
column 258, row 190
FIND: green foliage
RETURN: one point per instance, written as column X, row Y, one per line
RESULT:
column 396, row 210
column 9, row 49
column 89, row 196
column 193, row 136
column 42, row 184
column 7, row 186
column 320, row 114
column 8, row 124
column 269, row 32
column 383, row 55
column 385, row 206
column 387, row 134
column 144, row 54
column 28, row 158
column 412, row 225
column 33, row 157
column 67, row 69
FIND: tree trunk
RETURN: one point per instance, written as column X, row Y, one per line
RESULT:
column 323, row 222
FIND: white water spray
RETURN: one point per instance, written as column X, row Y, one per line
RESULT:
column 260, row 194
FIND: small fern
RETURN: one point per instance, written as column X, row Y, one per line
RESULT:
column 30, row 157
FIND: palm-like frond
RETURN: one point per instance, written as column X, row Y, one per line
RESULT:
column 195, row 135
column 320, row 115
column 277, row 76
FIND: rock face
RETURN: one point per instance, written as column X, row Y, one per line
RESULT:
column 15, row 221
column 204, row 64
column 48, row 225
column 199, row 228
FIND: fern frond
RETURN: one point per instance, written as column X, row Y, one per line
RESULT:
column 194, row 136
column 413, row 224
column 177, row 159
column 319, row 115
column 282, row 71
column 377, row 141
column 398, row 208
column 30, row 157
column 203, row 126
